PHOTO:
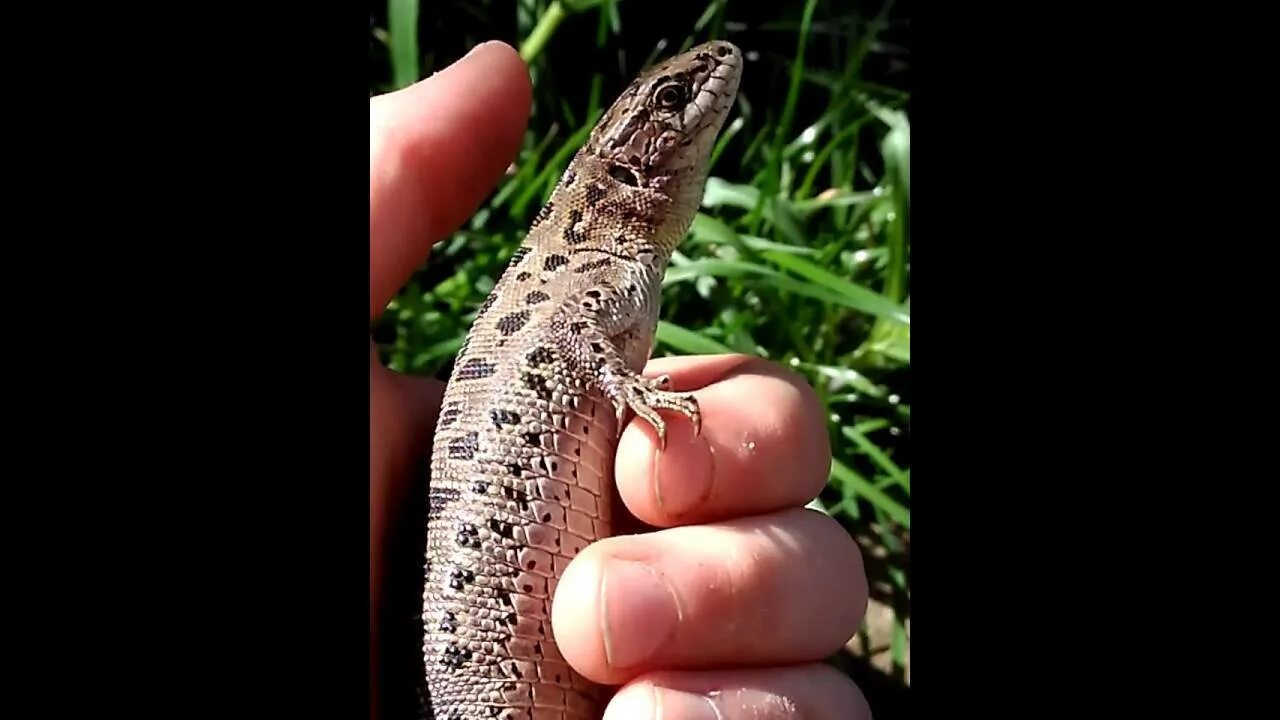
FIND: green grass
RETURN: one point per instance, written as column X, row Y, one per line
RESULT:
column 801, row 253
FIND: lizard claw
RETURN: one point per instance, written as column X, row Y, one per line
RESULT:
column 646, row 397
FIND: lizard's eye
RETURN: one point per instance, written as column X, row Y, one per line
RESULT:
column 671, row 96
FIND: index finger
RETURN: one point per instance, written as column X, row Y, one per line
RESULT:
column 763, row 445
column 436, row 148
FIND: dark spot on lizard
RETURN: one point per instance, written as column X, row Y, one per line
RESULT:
column 459, row 578
column 523, row 275
column 542, row 215
column 554, row 261
column 595, row 194
column 467, row 536
column 593, row 294
column 513, row 322
column 538, row 385
column 452, row 658
column 540, row 356
column 546, row 517
column 464, row 448
column 518, row 255
column 449, row 623
column 475, row 369
column 450, row 415
column 514, row 469
column 499, row 527
column 536, row 297
column 480, row 488
column 569, row 177
column 624, row 175
column 527, row 587
column 488, row 303
column 501, row 417
column 533, row 438
column 532, row 564
column 577, row 327
column 597, row 348
column 593, row 265
column 572, row 236
column 438, row 497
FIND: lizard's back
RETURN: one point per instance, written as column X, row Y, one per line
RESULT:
column 522, row 463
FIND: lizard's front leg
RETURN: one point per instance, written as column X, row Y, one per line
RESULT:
column 598, row 326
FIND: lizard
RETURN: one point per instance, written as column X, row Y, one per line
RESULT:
column 521, row 466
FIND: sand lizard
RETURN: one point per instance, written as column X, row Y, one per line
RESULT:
column 522, row 463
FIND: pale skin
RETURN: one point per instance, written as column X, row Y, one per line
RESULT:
column 731, row 594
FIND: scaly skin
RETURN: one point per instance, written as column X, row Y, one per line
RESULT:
column 522, row 467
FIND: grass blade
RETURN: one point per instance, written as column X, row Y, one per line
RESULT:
column 877, row 456
column 854, row 295
column 402, row 21
column 689, row 342
column 855, row 484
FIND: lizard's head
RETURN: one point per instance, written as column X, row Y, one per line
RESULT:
column 664, row 125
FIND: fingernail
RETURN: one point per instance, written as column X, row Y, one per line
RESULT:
column 638, row 612
column 647, row 701
column 677, row 704
column 678, row 492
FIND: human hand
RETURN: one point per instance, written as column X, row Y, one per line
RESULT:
column 727, row 603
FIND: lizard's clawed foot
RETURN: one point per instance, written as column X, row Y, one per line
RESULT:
column 646, row 396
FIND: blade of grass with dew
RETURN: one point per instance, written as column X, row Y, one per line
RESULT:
column 820, row 159
column 840, row 377
column 887, row 339
column 857, row 485
column 793, row 90
column 877, row 456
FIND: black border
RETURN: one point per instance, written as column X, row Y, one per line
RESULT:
column 209, row 219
